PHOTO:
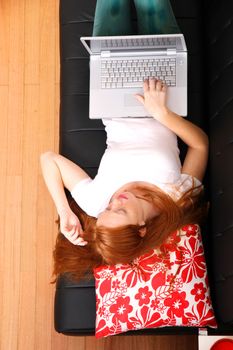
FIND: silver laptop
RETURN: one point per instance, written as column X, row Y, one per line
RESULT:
column 119, row 64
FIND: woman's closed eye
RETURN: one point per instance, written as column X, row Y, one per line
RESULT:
column 120, row 211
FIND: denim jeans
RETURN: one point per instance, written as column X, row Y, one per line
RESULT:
column 113, row 17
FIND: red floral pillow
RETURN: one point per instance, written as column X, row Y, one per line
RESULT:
column 165, row 287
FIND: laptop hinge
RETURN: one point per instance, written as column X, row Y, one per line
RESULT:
column 171, row 52
column 167, row 52
column 105, row 53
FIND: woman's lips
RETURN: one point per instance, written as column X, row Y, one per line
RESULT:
column 122, row 196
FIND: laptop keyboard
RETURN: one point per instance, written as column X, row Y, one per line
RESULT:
column 124, row 73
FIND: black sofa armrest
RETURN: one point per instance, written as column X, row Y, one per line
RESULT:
column 75, row 307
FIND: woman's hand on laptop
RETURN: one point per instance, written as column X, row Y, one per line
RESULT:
column 71, row 228
column 155, row 97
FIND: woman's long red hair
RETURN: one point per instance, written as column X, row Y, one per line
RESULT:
column 123, row 244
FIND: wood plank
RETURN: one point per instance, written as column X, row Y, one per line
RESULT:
column 29, row 233
column 11, row 262
column 77, row 343
column 45, row 291
column 59, row 341
column 4, row 130
column 3, row 172
column 32, row 42
column 4, row 42
column 3, row 167
column 47, row 77
column 16, row 87
column 57, row 46
column 57, row 117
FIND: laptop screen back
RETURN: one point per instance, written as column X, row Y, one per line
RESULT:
column 149, row 42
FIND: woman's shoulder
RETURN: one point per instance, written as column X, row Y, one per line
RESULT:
column 189, row 181
column 184, row 183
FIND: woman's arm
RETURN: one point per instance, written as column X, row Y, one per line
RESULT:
column 197, row 154
column 154, row 100
column 60, row 172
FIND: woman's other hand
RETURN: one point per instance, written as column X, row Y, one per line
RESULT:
column 155, row 97
column 71, row 228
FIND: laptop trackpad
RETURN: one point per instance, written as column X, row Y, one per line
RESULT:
column 130, row 101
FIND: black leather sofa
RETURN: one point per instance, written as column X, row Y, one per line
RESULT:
column 208, row 29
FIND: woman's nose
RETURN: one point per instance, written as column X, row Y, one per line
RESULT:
column 115, row 204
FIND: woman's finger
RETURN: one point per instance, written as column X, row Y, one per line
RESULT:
column 140, row 98
column 164, row 87
column 146, row 85
column 79, row 241
column 159, row 85
column 69, row 234
column 73, row 232
column 152, row 83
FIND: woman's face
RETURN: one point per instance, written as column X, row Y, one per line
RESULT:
column 125, row 209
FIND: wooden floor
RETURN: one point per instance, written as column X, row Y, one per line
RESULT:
column 29, row 104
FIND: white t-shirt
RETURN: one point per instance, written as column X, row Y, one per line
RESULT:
column 138, row 149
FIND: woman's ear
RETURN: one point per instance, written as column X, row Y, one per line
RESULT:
column 142, row 231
